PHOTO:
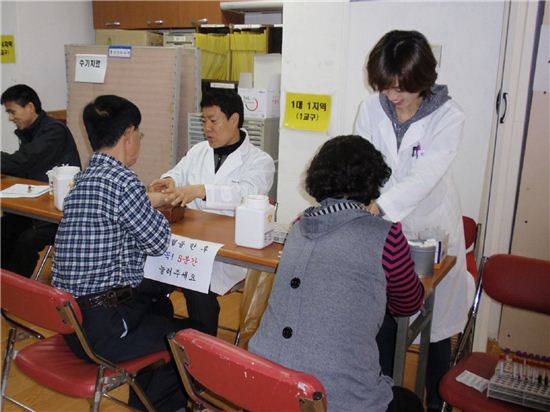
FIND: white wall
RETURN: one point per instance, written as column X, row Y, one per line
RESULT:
column 41, row 29
column 327, row 54
column 313, row 61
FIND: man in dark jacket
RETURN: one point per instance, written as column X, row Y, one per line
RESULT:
column 43, row 143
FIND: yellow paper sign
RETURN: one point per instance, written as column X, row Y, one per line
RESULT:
column 8, row 49
column 307, row 111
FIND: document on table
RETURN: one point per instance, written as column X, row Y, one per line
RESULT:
column 187, row 263
column 20, row 190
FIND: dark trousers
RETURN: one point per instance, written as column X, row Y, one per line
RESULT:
column 22, row 239
column 203, row 308
column 404, row 400
column 439, row 359
column 137, row 328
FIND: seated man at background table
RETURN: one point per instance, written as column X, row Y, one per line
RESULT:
column 43, row 143
column 108, row 229
column 214, row 176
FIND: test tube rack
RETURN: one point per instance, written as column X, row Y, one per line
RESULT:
column 520, row 383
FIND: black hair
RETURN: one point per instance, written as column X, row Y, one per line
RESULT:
column 107, row 118
column 22, row 95
column 404, row 56
column 227, row 100
column 347, row 167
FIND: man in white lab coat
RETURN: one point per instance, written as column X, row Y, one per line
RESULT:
column 214, row 176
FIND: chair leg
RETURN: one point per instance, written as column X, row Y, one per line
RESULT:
column 8, row 358
column 94, row 407
column 36, row 276
column 237, row 338
column 7, row 364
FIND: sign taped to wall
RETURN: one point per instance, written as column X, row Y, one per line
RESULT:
column 305, row 111
column 8, row 48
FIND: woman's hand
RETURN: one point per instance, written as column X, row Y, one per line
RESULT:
column 373, row 208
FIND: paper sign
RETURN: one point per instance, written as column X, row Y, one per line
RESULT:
column 8, row 49
column 187, row 263
column 307, row 111
column 90, row 68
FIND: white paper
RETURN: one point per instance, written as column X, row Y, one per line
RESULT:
column 473, row 381
column 20, row 190
column 90, row 68
column 187, row 263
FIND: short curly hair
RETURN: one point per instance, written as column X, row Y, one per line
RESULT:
column 347, row 167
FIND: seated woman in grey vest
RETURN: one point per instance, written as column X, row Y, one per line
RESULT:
column 340, row 268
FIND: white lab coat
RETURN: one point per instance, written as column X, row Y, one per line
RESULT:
column 421, row 194
column 246, row 171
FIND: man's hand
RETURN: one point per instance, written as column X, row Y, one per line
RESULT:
column 157, row 199
column 162, row 185
column 183, row 195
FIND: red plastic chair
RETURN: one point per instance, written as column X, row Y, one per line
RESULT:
column 222, row 377
column 512, row 280
column 50, row 362
column 471, row 229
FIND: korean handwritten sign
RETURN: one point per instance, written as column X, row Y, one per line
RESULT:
column 307, row 111
column 187, row 263
column 90, row 68
column 8, row 49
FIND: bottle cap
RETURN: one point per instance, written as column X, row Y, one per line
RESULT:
column 256, row 201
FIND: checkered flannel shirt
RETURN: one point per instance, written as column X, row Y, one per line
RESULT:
column 107, row 230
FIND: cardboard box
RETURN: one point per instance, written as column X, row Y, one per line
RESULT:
column 260, row 103
column 128, row 38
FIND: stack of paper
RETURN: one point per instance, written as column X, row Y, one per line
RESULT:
column 20, row 190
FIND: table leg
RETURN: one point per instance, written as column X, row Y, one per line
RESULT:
column 256, row 292
column 406, row 334
column 424, row 347
column 401, row 346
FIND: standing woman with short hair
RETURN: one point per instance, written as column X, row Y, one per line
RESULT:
column 418, row 128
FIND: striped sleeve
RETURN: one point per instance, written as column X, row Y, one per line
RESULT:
column 405, row 293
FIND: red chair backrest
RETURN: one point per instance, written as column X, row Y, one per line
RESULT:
column 518, row 281
column 35, row 302
column 470, row 231
column 243, row 378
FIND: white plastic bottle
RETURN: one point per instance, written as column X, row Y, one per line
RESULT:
column 254, row 222
column 62, row 181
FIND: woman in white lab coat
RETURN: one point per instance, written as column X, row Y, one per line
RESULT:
column 214, row 176
column 418, row 128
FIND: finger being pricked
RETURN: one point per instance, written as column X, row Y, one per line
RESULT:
column 157, row 185
column 162, row 185
column 176, row 197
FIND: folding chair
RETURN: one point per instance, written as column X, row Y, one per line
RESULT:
column 465, row 339
column 471, row 233
column 512, row 280
column 221, row 377
column 50, row 362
